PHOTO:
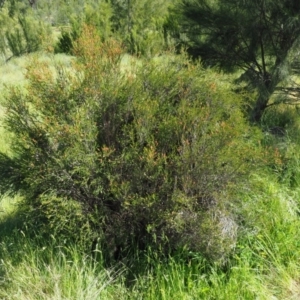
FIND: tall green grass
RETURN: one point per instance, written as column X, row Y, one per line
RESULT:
column 53, row 272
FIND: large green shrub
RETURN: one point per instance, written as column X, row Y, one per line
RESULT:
column 147, row 151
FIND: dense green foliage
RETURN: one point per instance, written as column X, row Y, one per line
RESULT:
column 147, row 149
column 21, row 32
column 255, row 36
column 138, row 24
column 129, row 170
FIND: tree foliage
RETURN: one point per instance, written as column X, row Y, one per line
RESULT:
column 255, row 36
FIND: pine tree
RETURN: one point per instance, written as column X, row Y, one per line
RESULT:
column 255, row 36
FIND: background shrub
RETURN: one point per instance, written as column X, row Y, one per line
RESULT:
column 23, row 35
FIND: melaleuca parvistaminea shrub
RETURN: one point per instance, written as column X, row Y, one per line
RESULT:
column 147, row 151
